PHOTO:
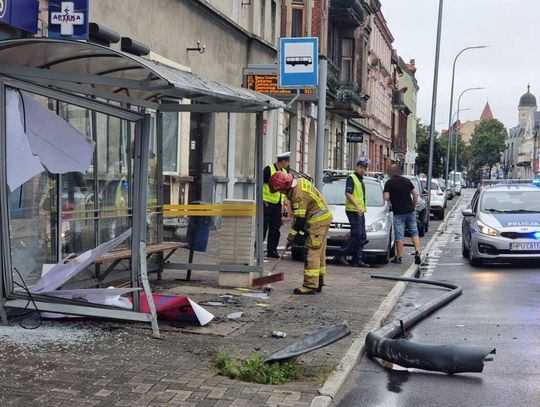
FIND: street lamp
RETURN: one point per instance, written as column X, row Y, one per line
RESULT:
column 457, row 135
column 449, row 141
column 451, row 102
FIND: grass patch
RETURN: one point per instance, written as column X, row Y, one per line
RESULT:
column 254, row 370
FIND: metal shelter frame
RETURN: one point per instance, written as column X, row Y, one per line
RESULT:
column 126, row 86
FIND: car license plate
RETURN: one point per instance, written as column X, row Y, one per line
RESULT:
column 525, row 246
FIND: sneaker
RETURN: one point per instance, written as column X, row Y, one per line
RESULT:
column 273, row 255
column 417, row 259
column 396, row 260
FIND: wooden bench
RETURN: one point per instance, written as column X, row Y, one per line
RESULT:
column 117, row 256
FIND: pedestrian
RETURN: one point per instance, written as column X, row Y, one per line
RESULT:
column 403, row 196
column 355, row 208
column 311, row 221
column 273, row 204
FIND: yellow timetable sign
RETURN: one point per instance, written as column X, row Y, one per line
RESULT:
column 269, row 84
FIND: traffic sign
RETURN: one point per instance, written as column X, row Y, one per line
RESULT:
column 355, row 137
column 298, row 62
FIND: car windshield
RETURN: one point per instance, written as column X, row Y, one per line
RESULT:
column 434, row 185
column 334, row 193
column 511, row 202
column 442, row 184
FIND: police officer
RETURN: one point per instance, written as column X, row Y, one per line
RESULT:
column 355, row 208
column 311, row 222
column 273, row 204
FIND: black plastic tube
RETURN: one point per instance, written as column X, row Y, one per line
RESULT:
column 448, row 359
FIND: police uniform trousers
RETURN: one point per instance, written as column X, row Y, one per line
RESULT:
column 272, row 223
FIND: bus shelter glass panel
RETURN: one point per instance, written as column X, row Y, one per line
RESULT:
column 53, row 216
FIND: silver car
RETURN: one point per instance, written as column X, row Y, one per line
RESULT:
column 502, row 223
column 378, row 218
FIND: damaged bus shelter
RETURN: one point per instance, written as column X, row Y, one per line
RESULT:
column 69, row 109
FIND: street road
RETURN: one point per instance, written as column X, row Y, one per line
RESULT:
column 499, row 308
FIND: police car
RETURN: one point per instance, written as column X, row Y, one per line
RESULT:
column 503, row 223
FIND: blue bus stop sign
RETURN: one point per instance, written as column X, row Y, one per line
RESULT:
column 298, row 62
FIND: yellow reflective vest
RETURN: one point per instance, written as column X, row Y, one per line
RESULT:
column 276, row 197
column 358, row 195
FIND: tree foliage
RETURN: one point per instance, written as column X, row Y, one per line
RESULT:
column 488, row 142
column 439, row 151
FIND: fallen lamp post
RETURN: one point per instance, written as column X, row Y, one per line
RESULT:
column 448, row 359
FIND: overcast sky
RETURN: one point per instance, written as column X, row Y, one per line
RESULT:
column 505, row 69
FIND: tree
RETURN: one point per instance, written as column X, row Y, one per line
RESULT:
column 488, row 143
column 439, row 151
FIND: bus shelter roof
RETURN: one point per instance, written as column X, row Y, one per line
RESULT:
column 98, row 71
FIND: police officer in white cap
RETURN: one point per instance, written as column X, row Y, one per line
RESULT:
column 273, row 204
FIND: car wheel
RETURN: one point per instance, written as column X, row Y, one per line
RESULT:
column 474, row 261
column 464, row 250
column 422, row 229
column 297, row 253
column 385, row 258
column 440, row 214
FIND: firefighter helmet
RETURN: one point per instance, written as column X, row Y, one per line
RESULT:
column 280, row 181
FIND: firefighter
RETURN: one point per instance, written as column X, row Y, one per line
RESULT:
column 273, row 204
column 310, row 226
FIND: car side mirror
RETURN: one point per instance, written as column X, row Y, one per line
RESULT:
column 467, row 212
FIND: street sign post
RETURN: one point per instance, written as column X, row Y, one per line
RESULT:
column 298, row 62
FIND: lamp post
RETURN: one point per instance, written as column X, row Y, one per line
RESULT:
column 457, row 135
column 434, row 108
column 451, row 102
column 449, row 142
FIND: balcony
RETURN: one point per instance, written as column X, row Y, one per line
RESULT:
column 347, row 101
column 348, row 12
column 398, row 102
column 525, row 154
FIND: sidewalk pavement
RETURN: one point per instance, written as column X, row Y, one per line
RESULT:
column 102, row 363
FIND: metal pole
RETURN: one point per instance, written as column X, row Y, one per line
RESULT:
column 433, row 110
column 449, row 145
column 259, row 193
column 457, row 133
column 321, row 121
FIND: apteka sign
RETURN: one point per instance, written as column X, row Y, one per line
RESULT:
column 68, row 19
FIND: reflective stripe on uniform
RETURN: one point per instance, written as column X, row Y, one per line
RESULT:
column 323, row 216
column 311, row 272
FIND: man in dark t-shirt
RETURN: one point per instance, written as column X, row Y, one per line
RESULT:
column 403, row 196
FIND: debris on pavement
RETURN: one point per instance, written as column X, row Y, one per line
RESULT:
column 259, row 296
column 278, row 334
column 318, row 339
column 235, row 315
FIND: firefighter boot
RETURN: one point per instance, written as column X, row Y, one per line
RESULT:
column 309, row 287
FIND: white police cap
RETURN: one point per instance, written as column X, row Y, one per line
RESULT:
column 284, row 156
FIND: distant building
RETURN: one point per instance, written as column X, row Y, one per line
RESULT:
column 520, row 159
column 408, row 82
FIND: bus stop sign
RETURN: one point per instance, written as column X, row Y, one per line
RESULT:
column 298, row 62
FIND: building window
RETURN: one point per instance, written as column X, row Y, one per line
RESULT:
column 263, row 19
column 347, row 59
column 170, row 141
column 298, row 13
column 273, row 13
column 338, row 151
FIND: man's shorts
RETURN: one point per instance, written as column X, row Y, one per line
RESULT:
column 405, row 221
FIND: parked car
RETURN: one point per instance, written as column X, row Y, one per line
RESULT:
column 379, row 219
column 456, row 181
column 421, row 206
column 502, row 223
column 446, row 187
column 437, row 198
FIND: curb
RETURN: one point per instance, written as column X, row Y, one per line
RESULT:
column 336, row 380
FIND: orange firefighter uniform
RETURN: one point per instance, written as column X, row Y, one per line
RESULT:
column 310, row 227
